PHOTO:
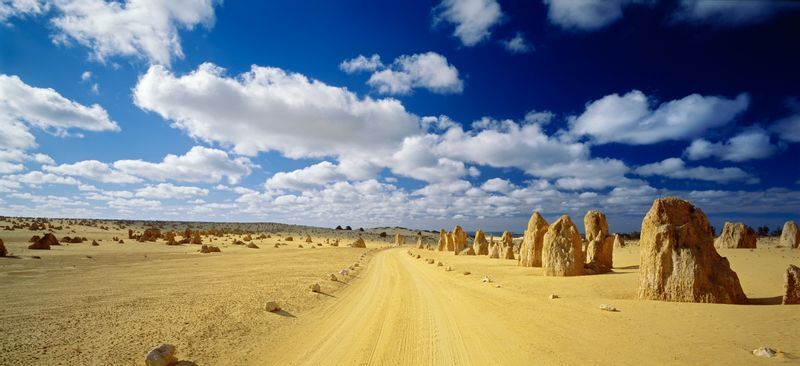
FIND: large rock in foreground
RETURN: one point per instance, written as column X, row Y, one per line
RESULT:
column 530, row 252
column 791, row 286
column 163, row 355
column 562, row 249
column 736, row 236
column 790, row 236
column 678, row 260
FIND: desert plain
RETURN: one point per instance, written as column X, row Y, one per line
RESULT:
column 111, row 303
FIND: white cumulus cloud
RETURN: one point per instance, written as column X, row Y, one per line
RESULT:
column 675, row 168
column 631, row 118
column 428, row 70
column 170, row 191
column 749, row 145
column 473, row 19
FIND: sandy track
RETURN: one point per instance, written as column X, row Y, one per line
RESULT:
column 404, row 311
column 400, row 314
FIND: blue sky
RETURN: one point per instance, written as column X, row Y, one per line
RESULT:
column 420, row 114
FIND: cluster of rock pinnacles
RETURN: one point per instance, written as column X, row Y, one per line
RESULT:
column 678, row 256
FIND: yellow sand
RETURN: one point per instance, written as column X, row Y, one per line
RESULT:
column 67, row 309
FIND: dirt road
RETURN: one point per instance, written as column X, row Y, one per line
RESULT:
column 404, row 311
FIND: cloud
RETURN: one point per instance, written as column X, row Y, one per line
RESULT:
column 787, row 129
column 429, row 70
column 145, row 29
column 361, row 63
column 309, row 177
column 498, row 185
column 21, row 8
column 86, row 75
column 23, row 106
column 37, row 178
column 169, row 191
column 729, row 13
column 269, row 109
column 517, row 44
column 417, row 159
column 748, row 145
column 675, row 168
column 94, row 170
column 11, row 161
column 586, row 15
column 630, row 119
column 473, row 19
column 200, row 164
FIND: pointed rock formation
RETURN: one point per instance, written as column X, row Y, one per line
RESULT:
column 45, row 242
column 507, row 246
column 791, row 285
column 359, row 243
column 790, row 236
column 479, row 245
column 736, row 236
column 399, row 239
column 678, row 259
column 562, row 249
column 442, row 245
column 600, row 247
column 530, row 252
column 450, row 242
column 459, row 240
column 618, row 241
column 420, row 241
column 3, row 250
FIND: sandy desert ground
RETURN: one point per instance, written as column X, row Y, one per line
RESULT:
column 110, row 304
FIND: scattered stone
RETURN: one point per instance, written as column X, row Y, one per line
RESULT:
column 530, row 252
column 790, row 236
column 600, row 247
column 344, row 272
column 429, row 260
column 308, row 239
column 448, row 269
column 562, row 249
column 480, row 246
column 299, row 245
column 272, row 306
column 439, row 264
column 276, row 246
column 791, row 285
column 608, row 307
column 209, row 249
column 355, row 264
column 94, row 243
column 252, row 245
column 466, row 273
column 486, row 279
column 163, row 355
column 553, row 296
column 496, row 286
column 418, row 256
column 314, row 287
column 678, row 259
column 332, row 277
column 459, row 240
column 765, row 352
column 736, row 236
column 289, row 238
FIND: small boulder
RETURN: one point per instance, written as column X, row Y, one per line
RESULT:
column 45, row 242
column 314, row 287
column 607, row 307
column 272, row 306
column 94, row 243
column 163, row 355
column 765, row 352
column 252, row 245
column 332, row 277
column 209, row 249
column 359, row 243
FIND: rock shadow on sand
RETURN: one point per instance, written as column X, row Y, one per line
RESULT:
column 774, row 300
